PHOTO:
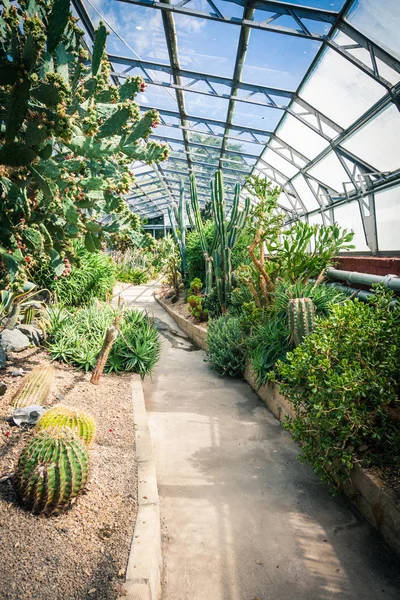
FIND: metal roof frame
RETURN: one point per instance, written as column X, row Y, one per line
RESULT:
column 281, row 18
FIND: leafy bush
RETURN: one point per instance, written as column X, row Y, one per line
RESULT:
column 133, row 275
column 344, row 382
column 268, row 343
column 226, row 347
column 76, row 338
column 91, row 276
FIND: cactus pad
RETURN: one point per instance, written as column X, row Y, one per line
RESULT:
column 52, row 470
column 35, row 387
column 301, row 318
column 60, row 416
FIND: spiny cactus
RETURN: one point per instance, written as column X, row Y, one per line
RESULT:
column 178, row 225
column 227, row 233
column 301, row 318
column 52, row 470
column 35, row 387
column 60, row 416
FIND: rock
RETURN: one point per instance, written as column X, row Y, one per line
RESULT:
column 3, row 388
column 3, row 358
column 13, row 340
column 33, row 333
column 17, row 373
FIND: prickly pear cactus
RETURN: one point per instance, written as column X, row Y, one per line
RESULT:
column 60, row 416
column 301, row 318
column 35, row 387
column 52, row 470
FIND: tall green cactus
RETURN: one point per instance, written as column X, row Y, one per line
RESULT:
column 227, row 234
column 178, row 225
column 301, row 318
column 197, row 224
column 52, row 470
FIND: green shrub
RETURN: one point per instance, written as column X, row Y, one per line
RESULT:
column 92, row 276
column 344, row 381
column 268, row 343
column 226, row 347
column 133, row 275
column 195, row 286
column 76, row 338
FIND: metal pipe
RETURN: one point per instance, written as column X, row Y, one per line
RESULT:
column 362, row 295
column 390, row 281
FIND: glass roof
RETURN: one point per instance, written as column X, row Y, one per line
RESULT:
column 306, row 93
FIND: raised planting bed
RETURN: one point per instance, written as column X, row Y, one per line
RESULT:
column 378, row 504
column 82, row 552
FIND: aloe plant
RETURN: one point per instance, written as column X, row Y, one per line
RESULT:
column 68, row 137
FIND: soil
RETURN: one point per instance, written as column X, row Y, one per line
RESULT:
column 83, row 552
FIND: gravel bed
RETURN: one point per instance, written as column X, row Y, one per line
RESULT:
column 83, row 552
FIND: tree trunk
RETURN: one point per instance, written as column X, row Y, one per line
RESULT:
column 111, row 336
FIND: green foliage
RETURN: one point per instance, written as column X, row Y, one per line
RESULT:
column 226, row 346
column 344, row 382
column 196, row 308
column 323, row 296
column 195, row 256
column 267, row 344
column 301, row 319
column 134, row 275
column 77, row 338
column 81, row 423
column 52, row 470
column 68, row 137
column 91, row 276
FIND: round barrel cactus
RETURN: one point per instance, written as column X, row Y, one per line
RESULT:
column 52, row 470
column 80, row 422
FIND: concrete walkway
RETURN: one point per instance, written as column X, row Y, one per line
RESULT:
column 242, row 518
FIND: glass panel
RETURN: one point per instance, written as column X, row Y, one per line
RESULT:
column 306, row 195
column 206, row 46
column 380, row 21
column 133, row 24
column 387, row 208
column 277, row 60
column 340, row 90
column 378, row 141
column 330, row 172
column 315, row 219
column 349, row 217
column 279, row 163
column 157, row 97
column 258, row 117
column 206, row 106
column 301, row 137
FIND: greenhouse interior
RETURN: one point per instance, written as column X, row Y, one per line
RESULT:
column 200, row 299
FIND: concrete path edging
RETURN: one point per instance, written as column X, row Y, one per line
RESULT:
column 368, row 493
column 143, row 573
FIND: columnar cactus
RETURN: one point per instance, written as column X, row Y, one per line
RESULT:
column 79, row 422
column 227, row 233
column 52, row 470
column 301, row 318
column 35, row 387
column 178, row 225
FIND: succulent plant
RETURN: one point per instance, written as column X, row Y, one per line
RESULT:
column 52, row 470
column 178, row 225
column 301, row 318
column 61, row 416
column 35, row 387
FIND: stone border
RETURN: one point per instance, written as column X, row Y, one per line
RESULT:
column 368, row 493
column 143, row 573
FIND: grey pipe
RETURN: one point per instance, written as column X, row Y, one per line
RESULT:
column 362, row 295
column 390, row 281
